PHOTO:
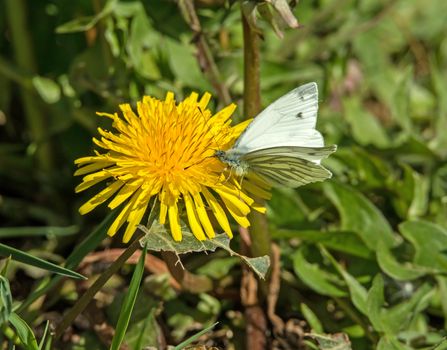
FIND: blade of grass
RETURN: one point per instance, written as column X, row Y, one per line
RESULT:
column 12, row 232
column 129, row 303
column 97, row 285
column 44, row 337
column 28, row 259
column 86, row 246
column 5, row 300
column 188, row 341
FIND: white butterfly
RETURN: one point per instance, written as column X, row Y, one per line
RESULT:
column 281, row 145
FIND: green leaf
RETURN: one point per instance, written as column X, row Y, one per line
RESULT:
column 400, row 108
column 374, row 303
column 196, row 336
column 158, row 239
column 357, row 292
column 10, row 232
column 129, row 302
column 219, row 267
column 48, row 89
column 28, row 259
column 338, row 341
column 82, row 24
column 342, row 241
column 5, row 300
column 429, row 241
column 391, row 343
column 24, row 332
column 400, row 315
column 311, row 318
column 405, row 271
column 312, row 275
column 358, row 214
column 366, row 128
column 184, row 65
column 141, row 46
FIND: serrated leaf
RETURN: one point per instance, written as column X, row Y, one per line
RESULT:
column 338, row 341
column 5, row 300
column 358, row 214
column 158, row 239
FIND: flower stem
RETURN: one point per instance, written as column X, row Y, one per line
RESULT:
column 82, row 303
column 261, row 243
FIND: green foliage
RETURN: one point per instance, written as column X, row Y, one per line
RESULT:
column 362, row 255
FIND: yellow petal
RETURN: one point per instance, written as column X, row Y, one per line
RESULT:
column 193, row 219
column 100, row 198
column 174, row 222
column 135, row 215
column 123, row 215
column 92, row 179
column 203, row 216
column 163, row 212
column 204, row 100
column 218, row 212
column 128, row 189
column 236, row 202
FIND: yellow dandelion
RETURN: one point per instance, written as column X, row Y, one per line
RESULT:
column 167, row 151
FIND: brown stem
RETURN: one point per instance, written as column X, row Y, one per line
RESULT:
column 261, row 244
column 204, row 55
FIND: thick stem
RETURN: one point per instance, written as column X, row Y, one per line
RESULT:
column 22, row 43
column 261, row 244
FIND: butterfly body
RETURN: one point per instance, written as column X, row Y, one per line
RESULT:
column 281, row 145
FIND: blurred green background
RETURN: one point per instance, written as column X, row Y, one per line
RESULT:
column 363, row 253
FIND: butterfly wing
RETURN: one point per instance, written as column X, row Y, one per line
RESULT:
column 289, row 166
column 289, row 121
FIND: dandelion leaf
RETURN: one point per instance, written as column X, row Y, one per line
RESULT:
column 158, row 238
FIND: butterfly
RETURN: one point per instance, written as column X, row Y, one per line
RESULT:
column 281, row 145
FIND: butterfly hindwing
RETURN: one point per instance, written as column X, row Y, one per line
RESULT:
column 283, row 166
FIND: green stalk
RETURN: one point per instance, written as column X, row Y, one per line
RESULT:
column 82, row 303
column 261, row 242
column 22, row 44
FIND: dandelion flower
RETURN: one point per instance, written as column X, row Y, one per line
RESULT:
column 166, row 151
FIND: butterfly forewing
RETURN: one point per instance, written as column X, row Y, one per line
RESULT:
column 289, row 121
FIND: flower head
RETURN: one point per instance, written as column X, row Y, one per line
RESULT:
column 167, row 151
